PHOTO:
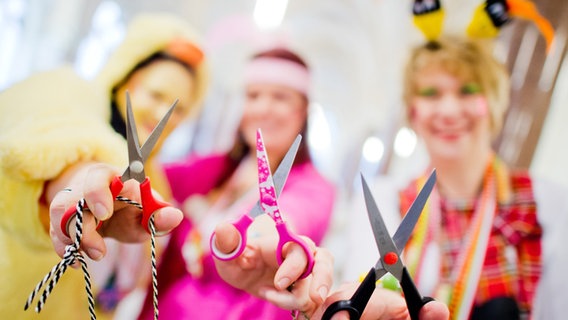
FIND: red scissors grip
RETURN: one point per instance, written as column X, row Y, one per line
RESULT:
column 149, row 203
column 66, row 219
column 116, row 186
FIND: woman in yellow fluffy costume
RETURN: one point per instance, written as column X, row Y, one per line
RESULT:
column 55, row 121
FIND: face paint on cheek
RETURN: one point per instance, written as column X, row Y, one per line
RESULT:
column 412, row 113
column 482, row 107
column 415, row 118
column 419, row 113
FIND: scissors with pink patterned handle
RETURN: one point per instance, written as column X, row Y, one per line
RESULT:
column 268, row 204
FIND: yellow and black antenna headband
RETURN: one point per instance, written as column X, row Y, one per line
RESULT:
column 487, row 20
column 428, row 17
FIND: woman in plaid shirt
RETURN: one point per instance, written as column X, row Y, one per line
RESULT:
column 480, row 243
column 477, row 245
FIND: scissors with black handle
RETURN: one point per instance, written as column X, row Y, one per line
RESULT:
column 390, row 250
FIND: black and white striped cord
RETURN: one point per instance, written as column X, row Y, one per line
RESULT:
column 72, row 254
column 152, row 228
column 154, row 267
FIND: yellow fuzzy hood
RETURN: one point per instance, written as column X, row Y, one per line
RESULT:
column 149, row 33
column 48, row 122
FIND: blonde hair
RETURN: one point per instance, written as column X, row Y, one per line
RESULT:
column 465, row 58
column 149, row 34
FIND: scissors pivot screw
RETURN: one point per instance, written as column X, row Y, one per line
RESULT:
column 137, row 166
column 391, row 258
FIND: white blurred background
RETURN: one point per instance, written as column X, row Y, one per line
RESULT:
column 356, row 49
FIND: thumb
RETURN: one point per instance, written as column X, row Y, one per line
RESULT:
column 227, row 237
column 166, row 219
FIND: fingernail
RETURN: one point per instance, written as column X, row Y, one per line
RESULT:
column 95, row 254
column 323, row 292
column 284, row 283
column 101, row 211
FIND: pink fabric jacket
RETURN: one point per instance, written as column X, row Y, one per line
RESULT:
column 307, row 199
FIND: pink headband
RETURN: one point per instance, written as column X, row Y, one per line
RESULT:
column 278, row 71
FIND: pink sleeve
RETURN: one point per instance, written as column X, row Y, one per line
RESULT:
column 196, row 175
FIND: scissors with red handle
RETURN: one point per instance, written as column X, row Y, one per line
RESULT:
column 390, row 250
column 268, row 203
column 135, row 170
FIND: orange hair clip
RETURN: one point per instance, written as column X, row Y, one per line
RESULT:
column 490, row 16
column 525, row 9
column 185, row 51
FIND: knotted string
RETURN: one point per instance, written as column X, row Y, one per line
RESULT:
column 73, row 254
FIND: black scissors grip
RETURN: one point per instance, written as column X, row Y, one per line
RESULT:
column 414, row 301
column 342, row 305
column 356, row 305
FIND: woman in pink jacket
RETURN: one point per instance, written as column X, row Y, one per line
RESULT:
column 217, row 188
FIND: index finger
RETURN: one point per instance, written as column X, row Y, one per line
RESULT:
column 60, row 203
column 97, row 192
column 322, row 275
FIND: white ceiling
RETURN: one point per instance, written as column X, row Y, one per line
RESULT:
column 356, row 49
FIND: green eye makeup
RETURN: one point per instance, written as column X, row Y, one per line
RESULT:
column 427, row 92
column 471, row 88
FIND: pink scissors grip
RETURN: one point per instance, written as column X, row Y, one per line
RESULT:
column 242, row 225
column 285, row 237
column 149, row 203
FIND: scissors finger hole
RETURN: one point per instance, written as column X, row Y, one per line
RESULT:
column 222, row 255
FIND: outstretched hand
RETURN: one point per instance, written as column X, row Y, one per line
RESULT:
column 257, row 271
column 120, row 220
column 384, row 305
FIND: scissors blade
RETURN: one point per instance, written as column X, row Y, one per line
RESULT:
column 283, row 169
column 155, row 135
column 133, row 144
column 384, row 242
column 281, row 174
column 408, row 223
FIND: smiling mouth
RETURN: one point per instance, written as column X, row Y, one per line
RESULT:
column 449, row 134
column 449, row 137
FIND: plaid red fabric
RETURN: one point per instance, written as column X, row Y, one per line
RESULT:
column 512, row 264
